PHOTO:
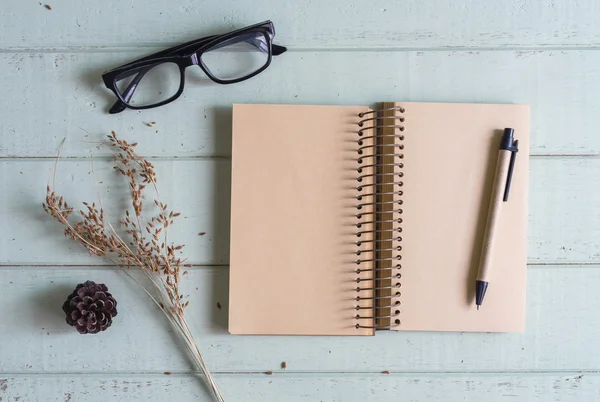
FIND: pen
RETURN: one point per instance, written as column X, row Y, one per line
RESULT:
column 501, row 187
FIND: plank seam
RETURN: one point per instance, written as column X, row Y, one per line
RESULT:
column 531, row 265
column 17, row 158
column 279, row 372
column 291, row 49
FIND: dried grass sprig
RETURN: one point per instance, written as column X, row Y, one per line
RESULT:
column 147, row 246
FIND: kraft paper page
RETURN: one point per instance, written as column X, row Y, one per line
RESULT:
column 293, row 221
column 450, row 154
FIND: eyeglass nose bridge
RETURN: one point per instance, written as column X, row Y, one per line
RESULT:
column 191, row 60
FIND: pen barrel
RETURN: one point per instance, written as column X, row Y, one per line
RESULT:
column 493, row 218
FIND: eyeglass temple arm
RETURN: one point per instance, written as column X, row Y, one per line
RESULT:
column 260, row 45
column 278, row 49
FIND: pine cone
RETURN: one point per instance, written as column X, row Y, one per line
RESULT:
column 90, row 308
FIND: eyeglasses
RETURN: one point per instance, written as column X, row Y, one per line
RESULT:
column 158, row 79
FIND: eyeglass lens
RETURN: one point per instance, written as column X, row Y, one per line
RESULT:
column 150, row 85
column 237, row 57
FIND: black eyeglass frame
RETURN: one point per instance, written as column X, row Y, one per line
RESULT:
column 185, row 55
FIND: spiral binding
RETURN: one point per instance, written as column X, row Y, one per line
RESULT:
column 384, row 278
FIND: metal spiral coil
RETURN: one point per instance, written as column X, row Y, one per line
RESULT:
column 371, row 156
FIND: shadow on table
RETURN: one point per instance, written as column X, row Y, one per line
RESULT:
column 48, row 314
column 221, row 207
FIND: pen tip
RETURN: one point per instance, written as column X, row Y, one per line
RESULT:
column 478, row 307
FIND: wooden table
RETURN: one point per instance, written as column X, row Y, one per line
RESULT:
column 341, row 52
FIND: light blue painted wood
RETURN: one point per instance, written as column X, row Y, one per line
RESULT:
column 305, row 23
column 65, row 97
column 562, row 323
column 341, row 52
column 564, row 387
column 200, row 190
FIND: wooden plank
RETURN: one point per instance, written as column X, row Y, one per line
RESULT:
column 563, row 219
column 66, row 98
column 341, row 51
column 564, row 387
column 305, row 24
column 562, row 323
column 198, row 189
column 556, row 186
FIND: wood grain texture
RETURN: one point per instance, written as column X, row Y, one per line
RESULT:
column 564, row 387
column 563, row 224
column 66, row 97
column 306, row 23
column 561, row 325
column 198, row 189
column 341, row 52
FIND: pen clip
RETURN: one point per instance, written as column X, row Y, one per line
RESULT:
column 511, row 166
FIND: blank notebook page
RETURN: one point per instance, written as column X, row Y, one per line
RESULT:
column 293, row 220
column 450, row 154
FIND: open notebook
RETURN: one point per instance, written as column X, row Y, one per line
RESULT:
column 345, row 220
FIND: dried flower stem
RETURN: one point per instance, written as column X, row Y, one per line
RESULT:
column 147, row 247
